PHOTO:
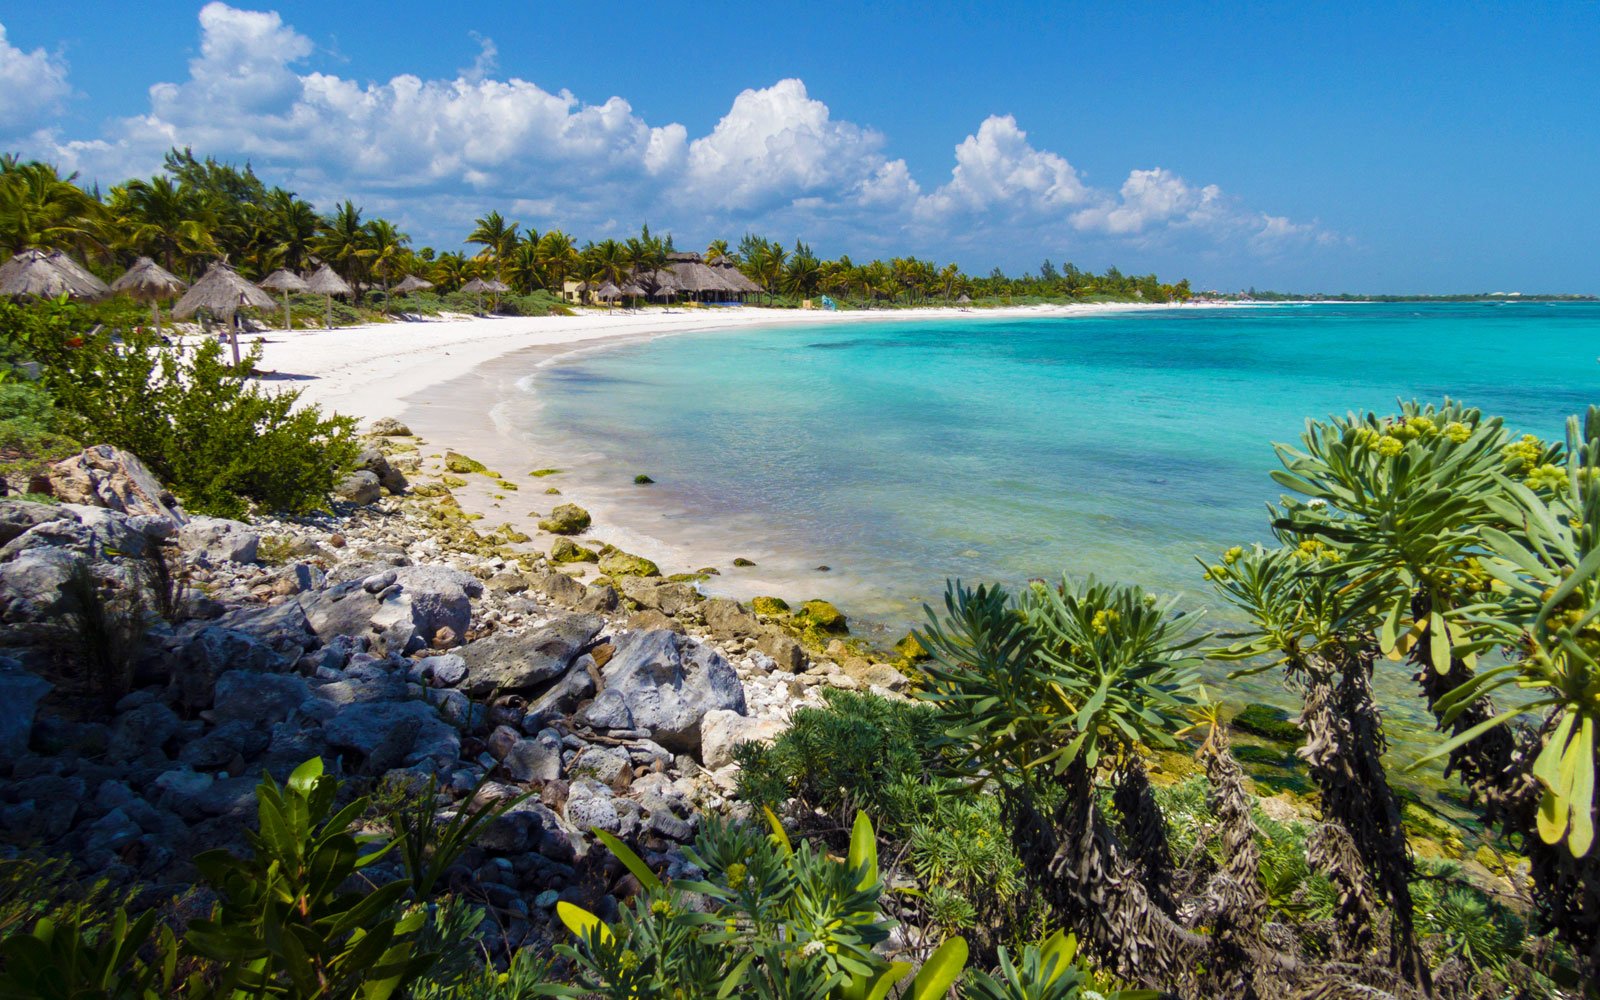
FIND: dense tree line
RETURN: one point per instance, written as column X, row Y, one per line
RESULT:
column 197, row 211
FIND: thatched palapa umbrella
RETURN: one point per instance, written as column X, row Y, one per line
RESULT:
column 328, row 284
column 411, row 283
column 608, row 292
column 964, row 300
column 285, row 281
column 149, row 282
column 480, row 286
column 222, row 292
column 46, row 274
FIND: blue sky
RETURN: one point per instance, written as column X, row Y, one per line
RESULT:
column 1441, row 147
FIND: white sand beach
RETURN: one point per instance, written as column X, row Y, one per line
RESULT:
column 445, row 378
column 362, row 371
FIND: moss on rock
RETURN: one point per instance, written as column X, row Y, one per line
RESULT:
column 452, row 482
column 566, row 519
column 769, row 607
column 541, row 473
column 567, row 551
column 1267, row 722
column 615, row 562
column 461, row 464
column 909, row 649
column 821, row 615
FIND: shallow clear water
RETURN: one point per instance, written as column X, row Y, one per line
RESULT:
column 1124, row 445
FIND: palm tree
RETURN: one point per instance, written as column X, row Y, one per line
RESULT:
column 647, row 258
column 497, row 237
column 158, row 218
column 40, row 208
column 717, row 252
column 343, row 242
column 556, row 256
column 610, row 261
column 803, row 275
column 388, row 255
column 450, row 271
column 286, row 228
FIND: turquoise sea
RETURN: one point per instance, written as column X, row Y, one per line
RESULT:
column 1123, row 445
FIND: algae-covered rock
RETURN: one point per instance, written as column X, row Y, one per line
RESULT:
column 769, row 607
column 742, row 562
column 507, row 484
column 910, row 649
column 453, row 482
column 567, row 551
column 566, row 519
column 552, row 492
column 541, row 473
column 642, row 480
column 511, row 535
column 461, row 464
column 615, row 562
column 823, row 616
column 1267, row 722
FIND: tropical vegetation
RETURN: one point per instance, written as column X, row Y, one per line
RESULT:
column 197, row 211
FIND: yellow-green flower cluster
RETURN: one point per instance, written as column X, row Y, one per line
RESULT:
column 1546, row 477
column 1411, row 428
column 1525, row 452
column 1315, row 549
column 1457, row 431
column 1103, row 620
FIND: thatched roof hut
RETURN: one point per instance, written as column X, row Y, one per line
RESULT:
column 411, row 283
column 608, row 292
column 222, row 292
column 150, row 282
column 964, row 300
column 736, row 278
column 46, row 274
column 285, row 281
column 327, row 282
column 479, row 286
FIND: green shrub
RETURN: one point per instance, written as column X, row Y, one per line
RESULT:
column 219, row 440
column 849, row 755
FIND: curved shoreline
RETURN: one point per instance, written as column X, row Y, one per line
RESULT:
column 447, row 379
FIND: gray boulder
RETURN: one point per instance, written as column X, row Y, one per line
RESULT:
column 669, row 683
column 788, row 654
column 142, row 729
column 30, row 584
column 17, row 516
column 390, row 478
column 213, row 651
column 519, row 661
column 388, row 427
column 113, row 531
column 535, row 759
column 729, row 618
column 365, row 728
column 103, row 476
column 20, row 693
column 360, row 488
column 346, row 610
column 260, row 699
column 722, row 730
column 561, row 589
column 438, row 597
column 658, row 595
column 218, row 540
column 609, row 710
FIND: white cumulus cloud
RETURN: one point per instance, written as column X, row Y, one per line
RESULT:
column 32, row 86
column 433, row 153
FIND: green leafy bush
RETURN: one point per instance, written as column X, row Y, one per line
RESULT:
column 220, row 441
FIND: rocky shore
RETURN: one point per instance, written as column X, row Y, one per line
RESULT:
column 155, row 664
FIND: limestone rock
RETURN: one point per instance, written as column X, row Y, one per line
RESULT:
column 104, row 476
column 219, row 540
column 788, row 654
column 721, row 730
column 657, row 595
column 365, row 728
column 535, row 759
column 616, row 563
column 17, row 516
column 360, row 488
column 729, row 618
column 565, row 550
column 669, row 683
column 519, row 661
column 20, row 693
column 388, row 427
column 566, row 519
column 563, row 590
